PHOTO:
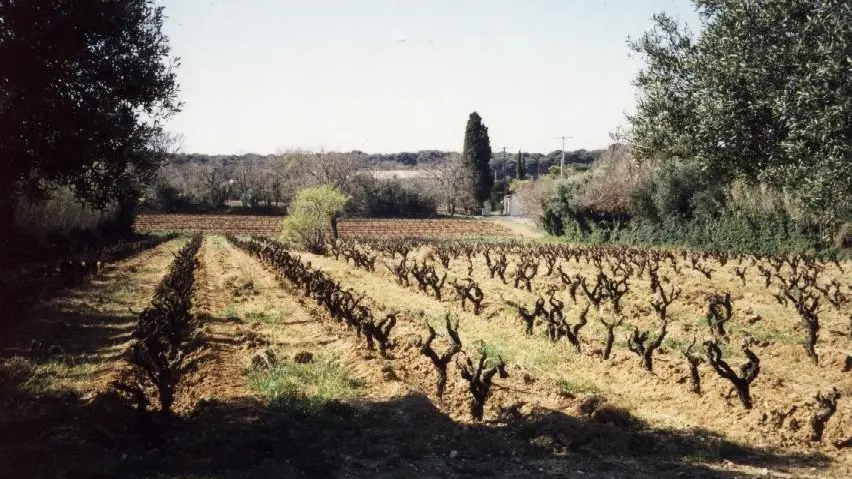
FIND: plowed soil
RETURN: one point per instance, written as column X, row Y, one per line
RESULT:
column 557, row 414
column 348, row 228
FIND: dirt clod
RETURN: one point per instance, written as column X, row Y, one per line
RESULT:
column 303, row 357
column 616, row 416
column 590, row 404
column 544, row 441
column 263, row 359
column 511, row 413
column 388, row 373
column 250, row 339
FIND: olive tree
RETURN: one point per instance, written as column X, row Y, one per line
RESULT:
column 762, row 94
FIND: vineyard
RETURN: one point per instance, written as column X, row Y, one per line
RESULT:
column 348, row 228
column 229, row 355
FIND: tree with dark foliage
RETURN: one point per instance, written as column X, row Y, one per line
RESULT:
column 521, row 167
column 84, row 88
column 477, row 155
column 760, row 94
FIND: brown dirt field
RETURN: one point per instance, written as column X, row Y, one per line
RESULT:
column 392, row 425
column 348, row 228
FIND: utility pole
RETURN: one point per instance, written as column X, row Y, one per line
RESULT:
column 562, row 163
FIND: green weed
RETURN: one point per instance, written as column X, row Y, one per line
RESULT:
column 304, row 388
column 581, row 386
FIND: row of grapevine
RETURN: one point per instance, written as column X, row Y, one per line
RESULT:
column 342, row 305
column 800, row 283
column 23, row 282
column 164, row 335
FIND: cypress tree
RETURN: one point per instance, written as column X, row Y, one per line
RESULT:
column 521, row 167
column 477, row 156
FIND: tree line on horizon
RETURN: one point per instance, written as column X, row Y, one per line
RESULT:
column 198, row 182
column 406, row 159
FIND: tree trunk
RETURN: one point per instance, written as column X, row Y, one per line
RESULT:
column 125, row 216
column 743, row 393
column 695, row 378
column 648, row 360
column 810, row 343
column 334, row 233
column 610, row 338
column 442, row 381
column 8, row 228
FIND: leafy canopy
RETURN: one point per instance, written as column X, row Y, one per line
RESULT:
column 84, row 88
column 311, row 213
column 762, row 94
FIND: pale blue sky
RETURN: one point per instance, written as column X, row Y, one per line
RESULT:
column 385, row 76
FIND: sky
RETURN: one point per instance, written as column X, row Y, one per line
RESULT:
column 381, row 76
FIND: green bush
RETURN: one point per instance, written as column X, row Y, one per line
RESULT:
column 675, row 187
column 729, row 232
column 642, row 202
column 682, row 206
column 167, row 199
column 312, row 214
column 559, row 209
column 679, row 190
column 390, row 199
column 843, row 237
column 563, row 216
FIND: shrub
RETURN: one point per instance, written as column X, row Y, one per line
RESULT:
column 679, row 204
column 675, row 187
column 312, row 214
column 729, row 231
column 59, row 215
column 558, row 209
column 677, row 190
column 843, row 238
column 642, row 202
column 615, row 174
column 390, row 198
column 531, row 195
column 168, row 199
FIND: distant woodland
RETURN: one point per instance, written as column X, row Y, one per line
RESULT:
column 199, row 182
column 505, row 165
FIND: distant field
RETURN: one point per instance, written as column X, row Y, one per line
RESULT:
column 405, row 174
column 351, row 228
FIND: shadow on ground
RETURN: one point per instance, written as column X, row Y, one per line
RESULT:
column 58, row 434
column 62, row 435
